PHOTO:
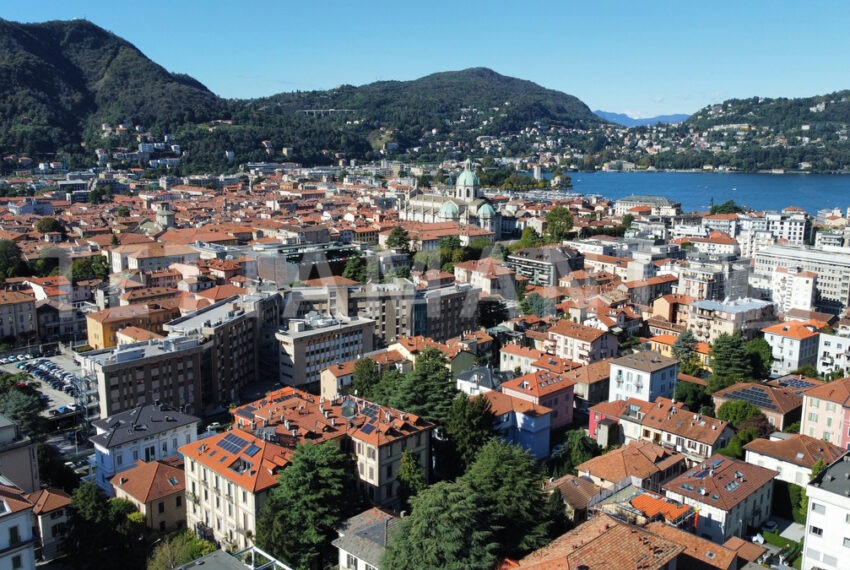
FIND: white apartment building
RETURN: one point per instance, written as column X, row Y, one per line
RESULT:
column 793, row 289
column 793, row 344
column 827, row 541
column 644, row 375
column 312, row 344
column 16, row 537
column 581, row 343
column 146, row 433
column 833, row 354
column 709, row 319
column 831, row 265
column 792, row 455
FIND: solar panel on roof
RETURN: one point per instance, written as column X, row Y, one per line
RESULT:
column 232, row 443
column 368, row 428
column 252, row 450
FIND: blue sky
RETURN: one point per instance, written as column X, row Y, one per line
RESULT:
column 641, row 58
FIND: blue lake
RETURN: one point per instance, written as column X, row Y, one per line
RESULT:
column 695, row 190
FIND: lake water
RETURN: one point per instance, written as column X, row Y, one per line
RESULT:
column 695, row 190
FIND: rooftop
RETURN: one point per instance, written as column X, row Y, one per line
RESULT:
column 138, row 423
column 834, row 478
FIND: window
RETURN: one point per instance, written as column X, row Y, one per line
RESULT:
column 351, row 561
column 818, row 508
column 14, row 536
column 161, row 507
column 813, row 417
column 846, row 542
column 816, row 531
column 119, row 459
column 17, row 562
column 179, row 501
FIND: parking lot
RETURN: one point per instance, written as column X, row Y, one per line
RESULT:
column 58, row 378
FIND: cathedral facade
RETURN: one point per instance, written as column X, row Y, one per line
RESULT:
column 465, row 204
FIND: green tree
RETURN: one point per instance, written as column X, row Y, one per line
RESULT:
column 529, row 238
column 469, row 427
column 761, row 357
column 179, row 549
column 685, row 351
column 509, row 485
column 807, row 370
column 792, row 428
column 427, row 391
column 410, row 479
column 535, row 304
column 22, row 407
column 727, row 207
column 11, row 260
column 578, row 447
column 399, row 240
column 104, row 533
column 48, row 224
column 123, row 212
column 115, row 242
column 447, row 529
column 365, row 378
column 297, row 522
column 729, row 362
column 736, row 411
column 692, row 395
column 627, row 221
column 559, row 222
column 91, row 267
column 356, row 269
column 492, row 311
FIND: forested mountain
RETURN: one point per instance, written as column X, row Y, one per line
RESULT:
column 628, row 121
column 60, row 81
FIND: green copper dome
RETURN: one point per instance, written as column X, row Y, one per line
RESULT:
column 449, row 210
column 468, row 176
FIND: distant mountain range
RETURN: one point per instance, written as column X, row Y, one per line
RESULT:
column 627, row 121
column 66, row 86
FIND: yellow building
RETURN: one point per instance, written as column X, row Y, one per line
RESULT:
column 104, row 325
column 157, row 490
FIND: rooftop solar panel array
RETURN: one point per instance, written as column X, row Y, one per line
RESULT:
column 232, row 443
column 754, row 396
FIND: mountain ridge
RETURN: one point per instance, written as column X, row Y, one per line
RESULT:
column 626, row 120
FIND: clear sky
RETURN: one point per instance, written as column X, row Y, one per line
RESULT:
column 640, row 58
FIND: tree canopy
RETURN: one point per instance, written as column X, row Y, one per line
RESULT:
column 11, row 259
column 730, row 363
column 736, row 411
column 427, row 391
column 469, row 427
column 179, row 549
column 297, row 522
column 48, row 224
column 399, row 239
column 559, row 222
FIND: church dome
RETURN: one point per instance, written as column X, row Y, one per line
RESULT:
column 468, row 176
column 449, row 210
column 486, row 211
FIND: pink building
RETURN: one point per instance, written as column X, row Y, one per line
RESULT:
column 604, row 411
column 826, row 412
column 553, row 391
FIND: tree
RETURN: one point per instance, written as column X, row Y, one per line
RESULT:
column 727, row 207
column 365, row 378
column 356, row 269
column 729, row 362
column 123, row 212
column 685, row 351
column 114, row 242
column 470, row 426
column 806, row 370
column 22, row 407
column 410, row 479
column 559, row 222
column 492, row 311
column 399, row 240
column 529, row 238
column 47, row 225
column 535, row 304
column 509, row 485
column 578, row 447
column 792, row 428
column 736, row 411
column 11, row 260
column 179, row 549
column 297, row 522
column 761, row 357
column 427, row 391
column 447, row 529
column 627, row 220
column 91, row 267
column 692, row 395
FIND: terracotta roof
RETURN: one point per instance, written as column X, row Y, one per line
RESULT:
column 334, row 280
column 503, row 403
column 793, row 330
column 604, row 542
column 640, row 459
column 797, row 449
column 653, row 506
column 745, row 549
column 151, row 481
column 591, row 373
column 837, row 391
column 14, row 498
column 576, row 491
column 47, row 500
column 698, row 551
column 221, row 292
column 577, row 331
column 721, row 482
column 539, row 384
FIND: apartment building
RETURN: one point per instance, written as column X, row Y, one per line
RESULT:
column 149, row 257
column 18, row 318
column 515, row 357
column 793, row 344
column 446, row 312
column 658, row 205
column 553, row 391
column 793, row 289
column 521, row 422
column 791, row 455
column 709, row 319
column 732, row 496
column 18, row 459
column 713, row 279
column 310, row 345
column 376, row 436
column 239, row 343
column 228, row 480
column 489, row 275
column 156, row 488
column 104, row 325
column 831, row 265
column 581, row 343
column 781, row 406
column 545, row 265
column 828, row 517
column 826, row 412
column 165, row 370
column 833, row 353
column 645, row 375
column 146, row 433
column 16, row 528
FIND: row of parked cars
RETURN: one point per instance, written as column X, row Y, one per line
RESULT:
column 15, row 358
column 49, row 373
